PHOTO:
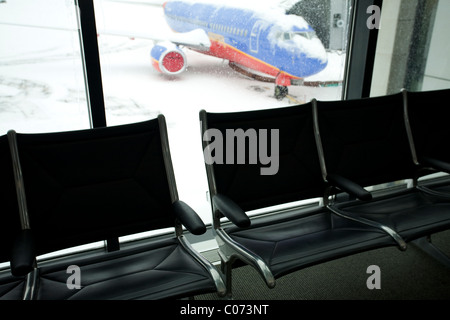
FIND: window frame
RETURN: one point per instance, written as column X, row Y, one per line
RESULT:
column 361, row 52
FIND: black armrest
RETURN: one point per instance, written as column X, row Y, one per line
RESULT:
column 189, row 218
column 349, row 186
column 436, row 164
column 23, row 254
column 231, row 210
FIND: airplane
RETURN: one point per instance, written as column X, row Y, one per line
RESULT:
column 267, row 46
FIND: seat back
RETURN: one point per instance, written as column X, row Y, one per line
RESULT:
column 429, row 114
column 288, row 139
column 91, row 185
column 9, row 212
column 365, row 140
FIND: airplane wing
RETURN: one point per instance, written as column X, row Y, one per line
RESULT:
column 196, row 39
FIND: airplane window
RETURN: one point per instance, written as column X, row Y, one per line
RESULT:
column 42, row 86
column 287, row 36
column 307, row 35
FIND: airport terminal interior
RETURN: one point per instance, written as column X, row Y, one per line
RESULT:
column 85, row 102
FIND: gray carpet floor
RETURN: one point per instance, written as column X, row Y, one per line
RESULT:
column 404, row 275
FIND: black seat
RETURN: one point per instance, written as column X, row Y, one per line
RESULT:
column 286, row 239
column 428, row 113
column 365, row 143
column 11, row 287
column 101, row 184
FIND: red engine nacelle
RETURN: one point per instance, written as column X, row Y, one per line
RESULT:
column 168, row 59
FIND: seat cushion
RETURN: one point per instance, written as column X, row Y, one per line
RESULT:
column 156, row 271
column 11, row 288
column 411, row 213
column 296, row 243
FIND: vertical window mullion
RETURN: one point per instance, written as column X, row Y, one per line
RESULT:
column 361, row 57
column 91, row 63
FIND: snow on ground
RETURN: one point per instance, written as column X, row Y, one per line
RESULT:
column 42, row 86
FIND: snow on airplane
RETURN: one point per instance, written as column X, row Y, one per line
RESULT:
column 282, row 47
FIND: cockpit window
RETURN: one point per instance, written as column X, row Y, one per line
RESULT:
column 305, row 34
column 286, row 36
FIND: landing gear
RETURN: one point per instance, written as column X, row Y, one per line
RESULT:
column 280, row 92
column 282, row 81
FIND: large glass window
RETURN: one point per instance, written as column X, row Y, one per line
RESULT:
column 41, row 74
column 413, row 51
column 135, row 90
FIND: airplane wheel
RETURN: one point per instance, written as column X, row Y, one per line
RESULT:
column 280, row 92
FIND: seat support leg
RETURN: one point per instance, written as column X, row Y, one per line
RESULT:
column 226, row 267
column 31, row 285
column 425, row 244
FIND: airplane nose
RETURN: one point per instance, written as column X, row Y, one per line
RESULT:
column 306, row 58
column 308, row 66
column 317, row 59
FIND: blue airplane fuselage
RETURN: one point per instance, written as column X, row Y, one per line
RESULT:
column 282, row 46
